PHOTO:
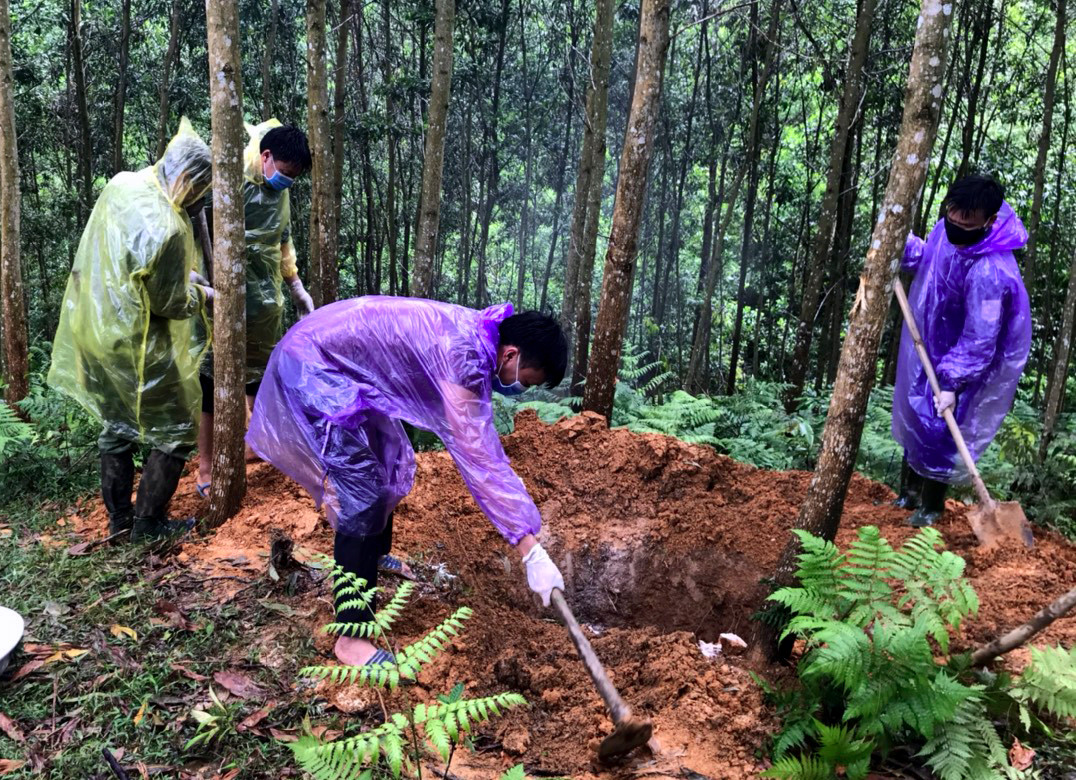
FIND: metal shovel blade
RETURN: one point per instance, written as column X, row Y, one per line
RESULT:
column 628, row 735
column 1004, row 521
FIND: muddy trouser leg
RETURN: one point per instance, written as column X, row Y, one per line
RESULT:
column 911, row 486
column 160, row 476
column 358, row 555
column 117, row 479
column 933, row 495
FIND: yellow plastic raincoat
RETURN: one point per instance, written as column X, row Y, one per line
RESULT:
column 126, row 348
column 270, row 255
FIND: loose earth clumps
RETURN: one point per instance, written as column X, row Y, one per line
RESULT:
column 662, row 545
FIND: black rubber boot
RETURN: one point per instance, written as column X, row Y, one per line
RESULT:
column 932, row 505
column 911, row 487
column 117, row 482
column 160, row 476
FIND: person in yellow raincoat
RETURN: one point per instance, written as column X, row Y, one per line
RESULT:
column 126, row 348
column 275, row 156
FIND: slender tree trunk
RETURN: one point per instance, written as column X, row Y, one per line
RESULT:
column 846, row 117
column 528, row 165
column 325, row 279
column 16, row 359
column 620, row 258
column 821, row 510
column 1056, row 609
column 1059, row 370
column 390, row 114
column 754, row 139
column 434, row 156
column 85, row 160
column 229, row 261
column 171, row 57
column 982, row 38
column 339, row 119
column 464, row 278
column 569, row 123
column 121, row 87
column 267, row 59
column 1034, row 219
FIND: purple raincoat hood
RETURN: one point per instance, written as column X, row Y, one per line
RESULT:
column 1007, row 234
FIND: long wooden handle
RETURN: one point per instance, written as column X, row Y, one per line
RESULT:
column 617, row 708
column 924, row 358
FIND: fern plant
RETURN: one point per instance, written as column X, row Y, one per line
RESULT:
column 876, row 623
column 395, row 745
column 12, row 428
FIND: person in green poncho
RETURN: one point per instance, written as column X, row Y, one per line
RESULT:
column 126, row 348
column 275, row 156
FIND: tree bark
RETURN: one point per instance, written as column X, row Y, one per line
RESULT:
column 340, row 80
column 267, row 60
column 752, row 154
column 85, row 160
column 569, row 124
column 823, row 239
column 591, row 158
column 982, row 38
column 620, row 258
column 325, row 279
column 433, row 159
column 170, row 59
column 121, row 87
column 821, row 509
column 1034, row 218
column 229, row 261
column 16, row 358
column 1055, row 385
column 1019, row 636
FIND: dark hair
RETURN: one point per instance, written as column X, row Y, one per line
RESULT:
column 974, row 193
column 541, row 342
column 289, row 145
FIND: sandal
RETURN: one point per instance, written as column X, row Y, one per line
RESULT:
column 381, row 657
column 390, row 564
column 203, row 489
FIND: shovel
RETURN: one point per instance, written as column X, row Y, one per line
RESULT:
column 629, row 732
column 991, row 521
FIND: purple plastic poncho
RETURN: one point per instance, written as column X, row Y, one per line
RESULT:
column 973, row 312
column 338, row 384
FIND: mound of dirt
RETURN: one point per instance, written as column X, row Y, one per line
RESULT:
column 662, row 545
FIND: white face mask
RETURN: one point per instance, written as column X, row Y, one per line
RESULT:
column 516, row 388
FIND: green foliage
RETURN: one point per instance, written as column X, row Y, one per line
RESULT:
column 12, row 428
column 441, row 724
column 214, row 724
column 1049, row 681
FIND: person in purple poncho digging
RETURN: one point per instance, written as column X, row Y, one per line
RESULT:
column 342, row 381
column 972, row 308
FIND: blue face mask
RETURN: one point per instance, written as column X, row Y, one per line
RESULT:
column 278, row 181
column 516, row 388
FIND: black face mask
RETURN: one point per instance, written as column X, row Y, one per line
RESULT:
column 959, row 236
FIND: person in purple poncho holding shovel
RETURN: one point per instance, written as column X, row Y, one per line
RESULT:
column 973, row 312
column 342, row 381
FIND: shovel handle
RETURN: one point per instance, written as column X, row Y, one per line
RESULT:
column 920, row 348
column 617, row 708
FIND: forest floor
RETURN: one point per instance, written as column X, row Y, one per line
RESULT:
column 662, row 544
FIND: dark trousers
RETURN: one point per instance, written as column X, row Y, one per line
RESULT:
column 359, row 555
column 925, row 492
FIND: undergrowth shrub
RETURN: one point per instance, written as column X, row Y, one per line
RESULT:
column 398, row 744
column 876, row 670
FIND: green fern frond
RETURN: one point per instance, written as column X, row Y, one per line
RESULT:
column 444, row 723
column 414, row 656
column 343, row 758
column 800, row 768
column 1049, row 681
column 380, row 675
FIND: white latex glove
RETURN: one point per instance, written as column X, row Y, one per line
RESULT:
column 946, row 400
column 197, row 278
column 304, row 304
column 542, row 574
column 209, row 292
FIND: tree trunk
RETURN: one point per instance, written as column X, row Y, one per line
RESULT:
column 390, row 115
column 1034, row 219
column 121, row 88
column 982, row 38
column 630, row 196
column 339, row 120
column 434, row 156
column 821, row 510
column 569, row 123
column 267, row 59
column 528, row 166
column 85, row 160
column 170, row 59
column 754, row 138
column 16, row 359
column 229, row 261
column 1058, row 608
column 1055, row 385
column 846, row 117
column 325, row 278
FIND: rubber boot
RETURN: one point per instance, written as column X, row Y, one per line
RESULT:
column 160, row 476
column 932, row 504
column 911, row 487
column 117, row 482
